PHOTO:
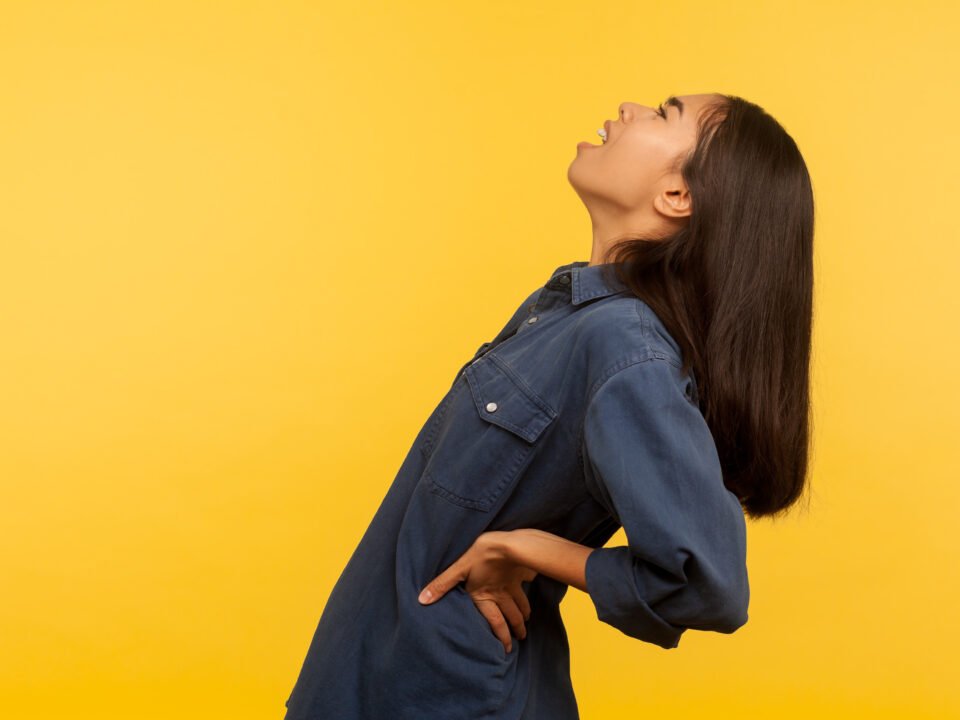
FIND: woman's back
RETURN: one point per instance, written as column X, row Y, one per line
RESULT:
column 505, row 449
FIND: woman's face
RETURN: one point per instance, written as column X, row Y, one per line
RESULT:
column 636, row 174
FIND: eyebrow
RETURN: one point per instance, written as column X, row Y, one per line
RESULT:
column 676, row 102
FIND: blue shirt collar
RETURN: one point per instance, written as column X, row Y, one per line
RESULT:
column 589, row 282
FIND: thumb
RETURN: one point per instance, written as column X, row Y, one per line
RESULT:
column 438, row 587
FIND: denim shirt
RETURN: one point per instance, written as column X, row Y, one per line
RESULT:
column 574, row 419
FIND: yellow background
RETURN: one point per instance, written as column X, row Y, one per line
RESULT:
column 246, row 246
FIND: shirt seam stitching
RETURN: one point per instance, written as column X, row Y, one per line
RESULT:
column 647, row 331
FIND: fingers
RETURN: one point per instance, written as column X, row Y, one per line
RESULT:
column 502, row 618
column 491, row 611
column 520, row 597
column 514, row 616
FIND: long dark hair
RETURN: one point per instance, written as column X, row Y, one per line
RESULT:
column 734, row 287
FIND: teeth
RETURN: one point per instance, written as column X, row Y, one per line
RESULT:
column 602, row 133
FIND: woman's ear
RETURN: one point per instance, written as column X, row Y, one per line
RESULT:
column 674, row 202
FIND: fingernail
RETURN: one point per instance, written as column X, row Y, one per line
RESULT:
column 425, row 596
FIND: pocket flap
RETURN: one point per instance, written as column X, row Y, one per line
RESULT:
column 505, row 400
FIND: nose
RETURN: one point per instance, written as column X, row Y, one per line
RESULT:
column 627, row 110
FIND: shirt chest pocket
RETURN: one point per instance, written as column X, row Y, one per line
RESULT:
column 489, row 430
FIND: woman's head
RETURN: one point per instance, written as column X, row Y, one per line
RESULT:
column 708, row 217
column 633, row 182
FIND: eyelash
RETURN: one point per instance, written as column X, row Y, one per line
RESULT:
column 661, row 112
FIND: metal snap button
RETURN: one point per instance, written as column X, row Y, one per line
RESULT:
column 532, row 320
column 491, row 407
column 564, row 279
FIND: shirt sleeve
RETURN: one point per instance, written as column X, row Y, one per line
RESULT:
column 650, row 460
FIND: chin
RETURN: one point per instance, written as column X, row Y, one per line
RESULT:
column 571, row 173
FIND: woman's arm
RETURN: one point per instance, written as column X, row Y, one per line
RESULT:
column 495, row 565
column 548, row 554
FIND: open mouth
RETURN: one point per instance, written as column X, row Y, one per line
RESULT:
column 604, row 136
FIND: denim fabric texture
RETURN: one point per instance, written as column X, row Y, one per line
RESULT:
column 574, row 419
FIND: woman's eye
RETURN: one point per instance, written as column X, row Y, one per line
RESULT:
column 661, row 112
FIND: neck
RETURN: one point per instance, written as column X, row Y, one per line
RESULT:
column 610, row 229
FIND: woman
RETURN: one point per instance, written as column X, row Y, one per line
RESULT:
column 661, row 387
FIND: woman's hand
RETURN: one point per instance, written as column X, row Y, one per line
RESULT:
column 492, row 581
